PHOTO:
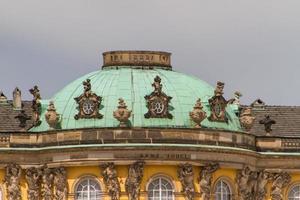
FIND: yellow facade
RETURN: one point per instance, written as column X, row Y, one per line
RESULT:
column 74, row 175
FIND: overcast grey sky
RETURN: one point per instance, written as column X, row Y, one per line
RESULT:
column 251, row 45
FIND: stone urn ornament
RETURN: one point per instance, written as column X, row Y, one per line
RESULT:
column 122, row 114
column 246, row 119
column 52, row 117
column 198, row 114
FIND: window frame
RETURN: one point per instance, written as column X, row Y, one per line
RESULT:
column 160, row 176
column 291, row 187
column 88, row 177
column 227, row 181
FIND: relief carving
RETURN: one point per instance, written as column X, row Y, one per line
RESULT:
column 218, row 104
column 60, row 183
column 186, row 176
column 206, row 179
column 111, row 181
column 280, row 181
column 122, row 114
column 158, row 102
column 88, row 103
column 134, row 179
column 36, row 105
column 12, row 181
column 33, row 180
column 47, row 178
column 198, row 114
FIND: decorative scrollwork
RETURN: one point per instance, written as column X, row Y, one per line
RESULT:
column 134, row 180
column 158, row 102
column 186, row 176
column 88, row 103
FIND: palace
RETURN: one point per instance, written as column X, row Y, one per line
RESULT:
column 138, row 130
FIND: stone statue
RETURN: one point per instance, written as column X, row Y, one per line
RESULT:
column 47, row 178
column 267, row 122
column 263, row 178
column 280, row 181
column 23, row 118
column 219, row 89
column 87, row 86
column 12, row 181
column 186, row 176
column 247, row 119
column 36, row 105
column 52, row 117
column 111, row 181
column 198, row 115
column 3, row 98
column 33, row 180
column 236, row 100
column 122, row 114
column 157, row 85
column 246, row 184
column 60, row 183
column 206, row 179
column 134, row 179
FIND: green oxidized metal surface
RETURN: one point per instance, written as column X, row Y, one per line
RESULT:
column 132, row 85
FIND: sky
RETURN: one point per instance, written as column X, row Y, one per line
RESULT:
column 251, row 45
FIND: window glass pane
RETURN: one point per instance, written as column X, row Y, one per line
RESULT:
column 294, row 193
column 88, row 189
column 222, row 191
column 160, row 189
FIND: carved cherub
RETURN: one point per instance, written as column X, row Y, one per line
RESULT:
column 157, row 85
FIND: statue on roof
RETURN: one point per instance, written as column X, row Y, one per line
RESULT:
column 36, row 105
column 267, row 122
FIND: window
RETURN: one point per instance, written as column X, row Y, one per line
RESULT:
column 160, row 189
column 294, row 193
column 223, row 191
column 88, row 189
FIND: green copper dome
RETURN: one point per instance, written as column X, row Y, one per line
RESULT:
column 133, row 84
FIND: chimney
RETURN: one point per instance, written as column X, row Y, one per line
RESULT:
column 17, row 101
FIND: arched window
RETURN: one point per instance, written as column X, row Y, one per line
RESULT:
column 88, row 189
column 160, row 189
column 294, row 193
column 223, row 191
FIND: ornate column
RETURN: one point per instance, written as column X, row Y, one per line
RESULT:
column 111, row 181
column 186, row 176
